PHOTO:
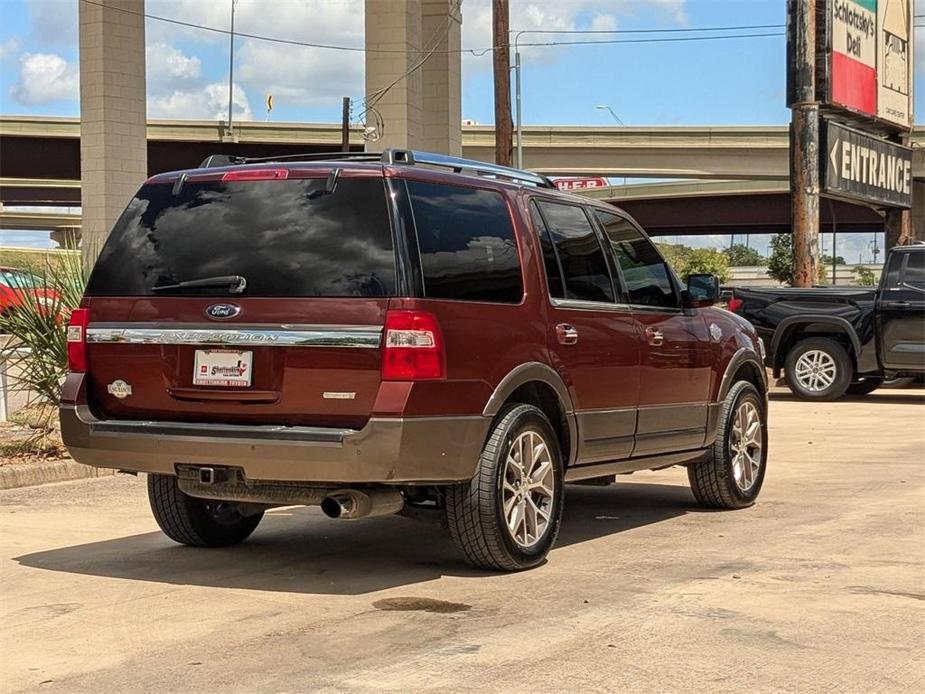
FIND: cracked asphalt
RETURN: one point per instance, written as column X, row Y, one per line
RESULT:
column 820, row 587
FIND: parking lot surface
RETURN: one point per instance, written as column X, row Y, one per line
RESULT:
column 819, row 587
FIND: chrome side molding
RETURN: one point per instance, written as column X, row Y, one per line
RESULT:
column 349, row 336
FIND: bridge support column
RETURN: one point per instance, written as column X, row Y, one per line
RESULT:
column 441, row 74
column 66, row 237
column 113, row 127
column 421, row 110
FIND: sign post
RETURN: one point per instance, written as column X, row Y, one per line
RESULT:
column 804, row 140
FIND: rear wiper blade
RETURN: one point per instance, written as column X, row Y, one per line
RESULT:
column 236, row 284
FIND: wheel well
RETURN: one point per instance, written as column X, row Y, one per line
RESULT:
column 748, row 371
column 543, row 396
column 802, row 331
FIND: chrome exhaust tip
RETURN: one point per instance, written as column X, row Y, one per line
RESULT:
column 351, row 504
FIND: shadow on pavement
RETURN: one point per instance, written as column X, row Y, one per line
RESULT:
column 891, row 397
column 299, row 550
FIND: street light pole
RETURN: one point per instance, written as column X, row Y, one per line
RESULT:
column 520, row 132
column 610, row 110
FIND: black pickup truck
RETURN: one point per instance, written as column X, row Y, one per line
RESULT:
column 829, row 341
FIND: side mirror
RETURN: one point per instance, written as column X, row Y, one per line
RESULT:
column 702, row 291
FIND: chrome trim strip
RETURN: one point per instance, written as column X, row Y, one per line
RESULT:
column 349, row 336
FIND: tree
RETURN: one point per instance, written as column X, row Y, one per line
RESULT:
column 865, row 276
column 780, row 262
column 687, row 261
column 707, row 261
column 740, row 255
column 827, row 260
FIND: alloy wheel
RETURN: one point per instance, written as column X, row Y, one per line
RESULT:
column 815, row 370
column 745, row 444
column 528, row 489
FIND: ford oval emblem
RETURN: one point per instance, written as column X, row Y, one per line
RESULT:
column 223, row 311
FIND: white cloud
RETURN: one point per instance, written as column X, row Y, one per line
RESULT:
column 45, row 78
column 10, row 47
column 208, row 102
column 546, row 15
column 169, row 69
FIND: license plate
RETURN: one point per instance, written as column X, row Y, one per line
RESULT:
column 222, row 367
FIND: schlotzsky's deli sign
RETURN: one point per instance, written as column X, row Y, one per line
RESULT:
column 859, row 166
column 869, row 69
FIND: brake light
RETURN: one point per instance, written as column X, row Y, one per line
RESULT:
column 735, row 304
column 77, row 339
column 256, row 175
column 412, row 347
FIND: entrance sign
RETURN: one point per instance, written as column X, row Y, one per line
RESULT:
column 862, row 168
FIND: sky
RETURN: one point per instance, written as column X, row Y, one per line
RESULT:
column 739, row 81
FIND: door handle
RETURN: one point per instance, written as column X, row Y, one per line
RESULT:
column 654, row 337
column 566, row 334
column 896, row 304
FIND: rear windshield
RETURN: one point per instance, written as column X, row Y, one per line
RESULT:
column 287, row 238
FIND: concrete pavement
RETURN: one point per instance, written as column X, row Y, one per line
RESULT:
column 819, row 587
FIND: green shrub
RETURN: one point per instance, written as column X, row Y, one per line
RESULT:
column 35, row 350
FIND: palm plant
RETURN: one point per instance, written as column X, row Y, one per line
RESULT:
column 35, row 325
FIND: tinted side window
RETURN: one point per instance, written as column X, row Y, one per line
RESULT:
column 467, row 244
column 646, row 276
column 891, row 275
column 553, row 271
column 580, row 253
column 915, row 270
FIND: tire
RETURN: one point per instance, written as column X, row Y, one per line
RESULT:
column 196, row 522
column 826, row 354
column 866, row 385
column 718, row 482
column 475, row 510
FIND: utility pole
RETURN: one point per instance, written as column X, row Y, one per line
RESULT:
column 500, row 24
column 231, row 69
column 345, row 126
column 804, row 141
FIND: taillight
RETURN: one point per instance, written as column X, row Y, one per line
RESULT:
column 77, row 339
column 256, row 175
column 412, row 347
column 735, row 304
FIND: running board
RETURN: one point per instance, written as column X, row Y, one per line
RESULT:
column 622, row 467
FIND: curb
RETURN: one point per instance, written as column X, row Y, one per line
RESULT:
column 32, row 474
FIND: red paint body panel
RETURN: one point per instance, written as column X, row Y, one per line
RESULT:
column 613, row 377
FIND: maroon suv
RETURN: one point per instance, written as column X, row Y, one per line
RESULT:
column 400, row 333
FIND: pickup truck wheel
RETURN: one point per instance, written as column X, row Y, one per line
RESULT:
column 507, row 517
column 818, row 368
column 197, row 522
column 733, row 474
column 864, row 386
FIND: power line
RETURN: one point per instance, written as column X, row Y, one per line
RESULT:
column 475, row 51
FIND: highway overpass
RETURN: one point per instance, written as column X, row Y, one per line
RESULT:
column 41, row 155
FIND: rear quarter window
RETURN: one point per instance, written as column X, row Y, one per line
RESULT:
column 466, row 242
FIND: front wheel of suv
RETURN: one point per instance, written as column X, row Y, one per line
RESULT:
column 732, row 475
column 197, row 522
column 507, row 517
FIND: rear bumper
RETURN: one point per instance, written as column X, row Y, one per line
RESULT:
column 415, row 450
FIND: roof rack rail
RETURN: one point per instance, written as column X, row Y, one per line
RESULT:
column 411, row 157
column 395, row 156
column 214, row 160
